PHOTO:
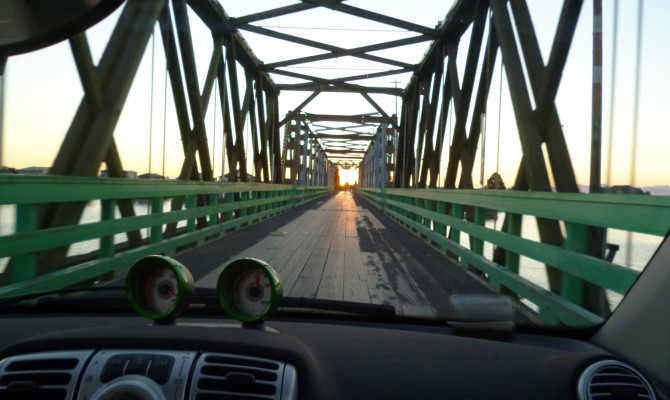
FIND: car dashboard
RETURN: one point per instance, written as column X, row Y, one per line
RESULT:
column 95, row 357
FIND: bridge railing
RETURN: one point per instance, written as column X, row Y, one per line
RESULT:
column 202, row 210
column 429, row 212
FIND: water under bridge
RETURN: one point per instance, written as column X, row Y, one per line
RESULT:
column 413, row 233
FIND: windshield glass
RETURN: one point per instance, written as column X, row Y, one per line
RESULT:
column 451, row 159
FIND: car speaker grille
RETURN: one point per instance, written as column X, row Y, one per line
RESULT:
column 610, row 379
column 226, row 376
column 51, row 375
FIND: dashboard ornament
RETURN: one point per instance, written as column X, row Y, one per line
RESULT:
column 249, row 290
column 159, row 288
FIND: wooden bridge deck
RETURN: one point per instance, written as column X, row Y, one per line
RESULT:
column 341, row 248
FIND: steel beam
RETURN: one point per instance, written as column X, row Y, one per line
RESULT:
column 211, row 74
column 344, row 137
column 275, row 138
column 441, row 125
column 253, row 126
column 380, row 110
column 277, row 12
column 469, row 149
column 86, row 143
column 339, row 87
column 350, row 52
column 192, row 86
column 238, row 115
column 384, row 19
column 544, row 83
column 431, row 157
column 297, row 110
column 189, row 168
column 361, row 119
column 262, row 100
column 337, row 151
column 319, row 45
column 90, row 136
column 94, row 96
column 219, row 23
column 227, row 124
column 546, row 114
column 462, row 93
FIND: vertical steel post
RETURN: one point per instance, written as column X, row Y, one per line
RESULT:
column 156, row 230
column 305, row 149
column 483, row 163
column 107, row 242
column 25, row 265
column 597, row 101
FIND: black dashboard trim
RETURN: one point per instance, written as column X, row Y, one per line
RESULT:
column 340, row 358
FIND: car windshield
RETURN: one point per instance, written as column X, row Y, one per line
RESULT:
column 457, row 160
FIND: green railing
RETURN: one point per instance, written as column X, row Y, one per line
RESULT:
column 429, row 212
column 222, row 207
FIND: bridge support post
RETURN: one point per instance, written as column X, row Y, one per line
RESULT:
column 107, row 208
column 156, row 230
column 24, row 267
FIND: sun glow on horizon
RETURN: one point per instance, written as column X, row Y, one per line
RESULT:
column 349, row 176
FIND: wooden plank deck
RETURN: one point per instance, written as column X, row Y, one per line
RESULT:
column 341, row 248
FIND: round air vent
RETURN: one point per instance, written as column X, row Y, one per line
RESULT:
column 610, row 379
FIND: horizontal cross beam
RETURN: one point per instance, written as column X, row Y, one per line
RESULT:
column 349, row 88
column 318, row 45
column 351, row 52
column 360, row 119
column 384, row 19
column 347, row 137
column 334, row 151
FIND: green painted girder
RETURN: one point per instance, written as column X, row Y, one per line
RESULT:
column 28, row 192
column 635, row 213
column 641, row 213
column 32, row 189
column 589, row 268
column 39, row 240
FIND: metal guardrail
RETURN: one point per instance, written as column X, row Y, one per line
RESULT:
column 227, row 206
column 425, row 212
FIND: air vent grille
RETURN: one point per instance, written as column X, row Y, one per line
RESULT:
column 226, row 376
column 610, row 379
column 51, row 375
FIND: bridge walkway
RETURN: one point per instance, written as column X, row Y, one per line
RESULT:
column 340, row 247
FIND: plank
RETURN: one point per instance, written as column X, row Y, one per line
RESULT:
column 355, row 276
column 307, row 283
column 332, row 281
column 350, row 227
column 299, row 256
column 296, row 239
column 275, row 250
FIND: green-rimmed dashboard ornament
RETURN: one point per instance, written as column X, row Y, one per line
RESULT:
column 249, row 290
column 159, row 288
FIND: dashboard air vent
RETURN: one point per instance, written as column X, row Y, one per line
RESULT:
column 50, row 375
column 227, row 376
column 610, row 379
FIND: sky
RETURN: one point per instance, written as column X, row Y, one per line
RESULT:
column 43, row 91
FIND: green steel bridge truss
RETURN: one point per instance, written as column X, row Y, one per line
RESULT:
column 572, row 227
